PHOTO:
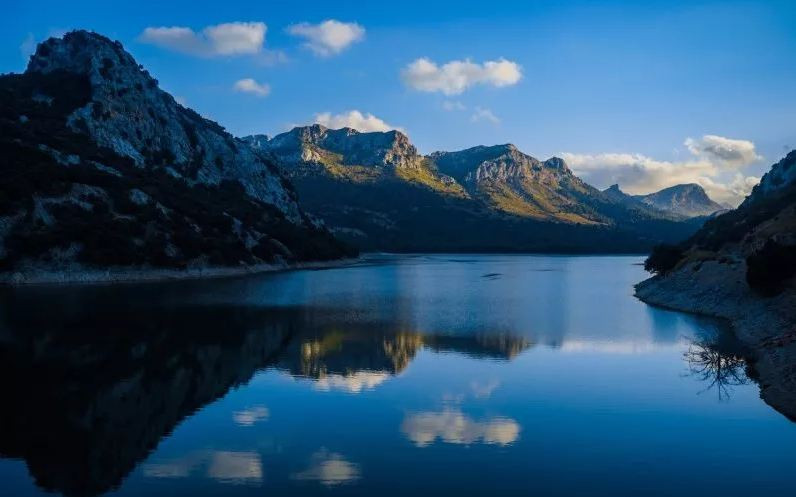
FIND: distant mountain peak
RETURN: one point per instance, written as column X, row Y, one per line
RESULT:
column 372, row 148
column 688, row 199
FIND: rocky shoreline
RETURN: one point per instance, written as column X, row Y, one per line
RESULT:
column 767, row 326
column 79, row 276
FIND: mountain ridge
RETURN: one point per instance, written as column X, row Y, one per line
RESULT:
column 354, row 181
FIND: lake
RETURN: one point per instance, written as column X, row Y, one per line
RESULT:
column 433, row 374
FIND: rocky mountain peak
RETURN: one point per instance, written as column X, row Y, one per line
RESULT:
column 688, row 199
column 375, row 148
column 87, row 53
column 498, row 162
column 130, row 115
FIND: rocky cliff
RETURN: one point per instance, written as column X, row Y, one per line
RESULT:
column 105, row 170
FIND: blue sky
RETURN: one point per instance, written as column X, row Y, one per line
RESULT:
column 616, row 86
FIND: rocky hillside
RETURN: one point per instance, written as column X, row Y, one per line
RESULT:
column 375, row 191
column 516, row 183
column 742, row 266
column 689, row 200
column 105, row 170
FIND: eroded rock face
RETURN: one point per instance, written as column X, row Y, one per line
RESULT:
column 117, row 174
column 131, row 115
column 377, row 149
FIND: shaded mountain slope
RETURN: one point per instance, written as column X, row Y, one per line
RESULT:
column 103, row 169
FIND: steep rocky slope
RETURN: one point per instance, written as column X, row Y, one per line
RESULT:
column 375, row 191
column 741, row 266
column 102, row 169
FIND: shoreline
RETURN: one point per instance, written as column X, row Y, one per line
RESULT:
column 767, row 326
column 80, row 276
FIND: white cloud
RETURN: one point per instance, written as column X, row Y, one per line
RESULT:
column 452, row 426
column 329, row 469
column 28, row 46
column 482, row 114
column 714, row 157
column 456, row 76
column 248, row 85
column 453, row 105
column 735, row 153
column 354, row 119
column 329, row 37
column 228, row 39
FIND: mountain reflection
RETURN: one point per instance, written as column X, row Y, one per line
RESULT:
column 362, row 357
column 90, row 392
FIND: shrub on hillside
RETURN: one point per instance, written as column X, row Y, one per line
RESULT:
column 768, row 269
column 663, row 258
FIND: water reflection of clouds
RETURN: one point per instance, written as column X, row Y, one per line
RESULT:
column 352, row 383
column 616, row 347
column 455, row 427
column 329, row 469
column 250, row 416
column 484, row 390
column 235, row 467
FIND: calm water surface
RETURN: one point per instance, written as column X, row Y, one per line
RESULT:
column 459, row 375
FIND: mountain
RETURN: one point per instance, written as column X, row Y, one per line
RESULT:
column 515, row 183
column 375, row 191
column 680, row 201
column 105, row 170
column 741, row 266
column 689, row 200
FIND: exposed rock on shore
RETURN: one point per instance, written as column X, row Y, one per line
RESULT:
column 741, row 266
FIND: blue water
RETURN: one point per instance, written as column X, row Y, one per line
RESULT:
column 432, row 374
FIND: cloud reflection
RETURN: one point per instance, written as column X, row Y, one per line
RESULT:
column 329, row 469
column 352, row 383
column 236, row 467
column 453, row 426
column 250, row 416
